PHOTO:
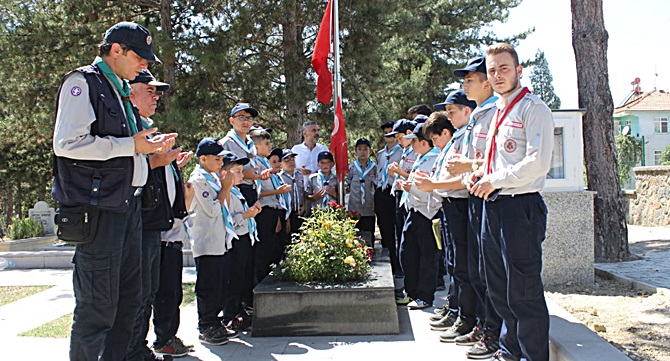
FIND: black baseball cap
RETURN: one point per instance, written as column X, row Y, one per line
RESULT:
column 244, row 106
column 363, row 141
column 208, row 146
column 325, row 155
column 420, row 118
column 388, row 124
column 133, row 35
column 416, row 133
column 477, row 64
column 456, row 97
column 230, row 157
column 276, row 151
column 146, row 77
column 401, row 126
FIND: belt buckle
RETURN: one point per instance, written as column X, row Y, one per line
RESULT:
column 138, row 192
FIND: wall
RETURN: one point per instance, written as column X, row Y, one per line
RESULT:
column 649, row 206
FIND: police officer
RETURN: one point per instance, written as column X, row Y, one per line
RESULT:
column 99, row 171
column 517, row 159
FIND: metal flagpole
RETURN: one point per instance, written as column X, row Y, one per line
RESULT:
column 337, row 88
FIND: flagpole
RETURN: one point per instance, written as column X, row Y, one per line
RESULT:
column 337, row 88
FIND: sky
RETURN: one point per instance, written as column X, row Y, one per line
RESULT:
column 638, row 45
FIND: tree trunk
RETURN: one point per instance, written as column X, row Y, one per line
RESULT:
column 294, row 71
column 168, row 51
column 589, row 40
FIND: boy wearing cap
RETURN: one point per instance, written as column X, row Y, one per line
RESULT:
column 361, row 182
column 241, row 236
column 322, row 186
column 237, row 141
column 163, row 217
column 418, row 248
column 384, row 200
column 297, row 195
column 102, row 137
column 516, row 162
column 208, row 240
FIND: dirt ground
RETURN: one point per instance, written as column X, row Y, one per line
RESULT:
column 635, row 322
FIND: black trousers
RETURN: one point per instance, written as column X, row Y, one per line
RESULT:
column 169, row 295
column 209, row 289
column 513, row 230
column 400, row 218
column 385, row 207
column 265, row 250
column 238, row 277
column 418, row 257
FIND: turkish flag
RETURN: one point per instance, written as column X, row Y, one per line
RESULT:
column 324, row 82
column 338, row 143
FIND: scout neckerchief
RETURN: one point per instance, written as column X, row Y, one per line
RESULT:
column 405, row 194
column 437, row 166
column 405, row 154
column 276, row 183
column 213, row 182
column 293, row 196
column 387, row 154
column 492, row 99
column 499, row 119
column 251, row 222
column 124, row 90
column 324, row 183
column 248, row 147
column 361, row 175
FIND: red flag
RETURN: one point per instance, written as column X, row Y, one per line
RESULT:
column 324, row 82
column 338, row 143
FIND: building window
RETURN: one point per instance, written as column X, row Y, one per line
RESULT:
column 557, row 170
column 657, row 157
column 660, row 125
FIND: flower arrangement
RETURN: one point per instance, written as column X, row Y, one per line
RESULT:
column 326, row 250
column 24, row 228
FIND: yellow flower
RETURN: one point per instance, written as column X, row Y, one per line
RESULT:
column 321, row 244
column 350, row 260
column 350, row 245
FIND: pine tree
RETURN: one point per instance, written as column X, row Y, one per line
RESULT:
column 541, row 80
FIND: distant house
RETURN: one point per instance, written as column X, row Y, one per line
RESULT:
column 646, row 115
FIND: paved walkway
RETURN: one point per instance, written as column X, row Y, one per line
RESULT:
column 652, row 271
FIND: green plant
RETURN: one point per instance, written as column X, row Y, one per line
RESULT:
column 629, row 154
column 327, row 250
column 24, row 228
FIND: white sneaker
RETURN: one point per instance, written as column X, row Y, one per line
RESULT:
column 418, row 304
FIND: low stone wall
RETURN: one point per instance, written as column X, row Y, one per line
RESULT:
column 567, row 252
column 649, row 206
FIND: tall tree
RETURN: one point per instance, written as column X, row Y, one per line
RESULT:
column 541, row 80
column 589, row 40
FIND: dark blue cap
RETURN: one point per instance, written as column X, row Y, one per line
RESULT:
column 363, row 141
column 421, row 118
column 230, row 157
column 477, row 64
column 135, row 36
column 388, row 124
column 146, row 77
column 325, row 155
column 208, row 146
column 276, row 151
column 244, row 106
column 456, row 97
column 416, row 133
column 401, row 126
column 287, row 153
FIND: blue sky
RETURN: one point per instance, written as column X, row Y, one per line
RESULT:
column 638, row 46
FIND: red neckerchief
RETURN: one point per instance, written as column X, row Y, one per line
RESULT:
column 499, row 120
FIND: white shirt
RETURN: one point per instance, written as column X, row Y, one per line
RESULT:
column 308, row 157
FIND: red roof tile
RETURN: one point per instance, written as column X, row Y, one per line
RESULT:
column 653, row 100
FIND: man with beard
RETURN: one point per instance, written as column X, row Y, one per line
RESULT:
column 307, row 152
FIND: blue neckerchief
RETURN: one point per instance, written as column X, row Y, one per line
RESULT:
column 294, row 200
column 250, row 149
column 276, row 182
column 417, row 164
column 228, row 223
column 437, row 167
column 387, row 154
column 361, row 175
column 251, row 222
column 471, row 124
column 215, row 183
column 324, row 183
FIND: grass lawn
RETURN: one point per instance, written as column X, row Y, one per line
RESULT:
column 9, row 294
column 60, row 328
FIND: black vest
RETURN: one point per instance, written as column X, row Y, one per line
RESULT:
column 104, row 184
column 157, row 215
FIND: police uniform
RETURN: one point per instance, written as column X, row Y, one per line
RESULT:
column 361, row 181
column 385, row 202
column 96, row 167
column 514, row 224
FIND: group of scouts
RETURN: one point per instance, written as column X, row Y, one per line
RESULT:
column 462, row 184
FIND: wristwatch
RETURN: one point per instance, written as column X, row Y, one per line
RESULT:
column 475, row 166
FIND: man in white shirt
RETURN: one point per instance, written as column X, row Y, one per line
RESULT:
column 307, row 152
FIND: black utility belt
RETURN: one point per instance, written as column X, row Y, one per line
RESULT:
column 174, row 245
column 507, row 196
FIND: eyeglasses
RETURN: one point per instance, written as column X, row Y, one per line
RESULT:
column 244, row 118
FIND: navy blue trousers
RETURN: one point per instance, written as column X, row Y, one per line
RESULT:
column 487, row 315
column 265, row 251
column 386, row 221
column 418, row 257
column 400, row 217
column 107, row 286
column 209, row 289
column 456, row 215
column 151, row 243
column 238, row 277
column 512, row 233
column 448, row 262
column 169, row 294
